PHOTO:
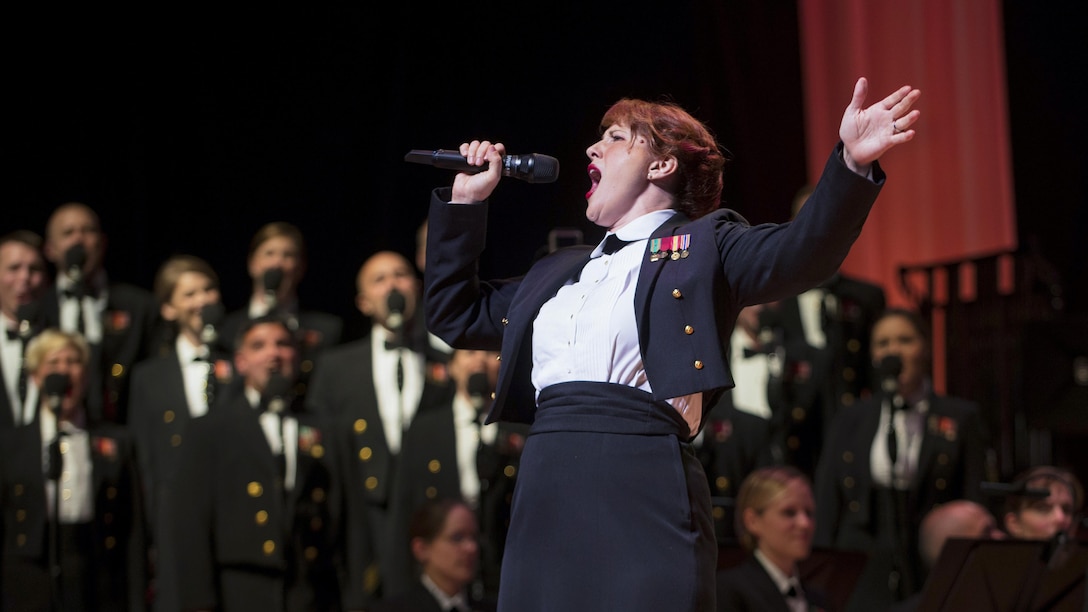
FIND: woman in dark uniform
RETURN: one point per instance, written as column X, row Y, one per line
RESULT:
column 615, row 354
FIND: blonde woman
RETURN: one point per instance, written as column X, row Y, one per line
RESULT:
column 775, row 522
column 70, row 494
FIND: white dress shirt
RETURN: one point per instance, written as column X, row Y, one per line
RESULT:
column 194, row 373
column 588, row 331
column 76, row 477
column 11, row 362
column 93, row 307
column 750, row 373
column 909, row 429
column 784, row 583
column 287, row 444
column 396, row 406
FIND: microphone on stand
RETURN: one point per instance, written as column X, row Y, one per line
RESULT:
column 28, row 315
column 212, row 315
column 888, row 374
column 277, row 398
column 54, row 388
column 395, row 304
column 394, row 320
column 277, row 393
column 272, row 279
column 888, row 371
column 74, row 260
column 532, row 168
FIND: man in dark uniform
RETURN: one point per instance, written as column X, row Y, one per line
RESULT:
column 822, row 339
column 370, row 391
column 23, row 280
column 260, row 526
column 118, row 319
column 449, row 452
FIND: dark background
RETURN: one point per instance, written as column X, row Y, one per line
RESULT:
column 186, row 131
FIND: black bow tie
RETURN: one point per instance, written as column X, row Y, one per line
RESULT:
column 766, row 350
column 91, row 293
column 13, row 334
column 613, row 243
column 402, row 341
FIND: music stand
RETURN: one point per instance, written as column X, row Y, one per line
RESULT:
column 999, row 575
column 835, row 572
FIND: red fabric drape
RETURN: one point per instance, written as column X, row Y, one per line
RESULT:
column 949, row 193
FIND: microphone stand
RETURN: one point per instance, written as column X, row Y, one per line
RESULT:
column 902, row 567
column 395, row 303
column 56, row 467
column 772, row 342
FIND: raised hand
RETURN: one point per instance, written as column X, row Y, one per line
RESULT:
column 867, row 133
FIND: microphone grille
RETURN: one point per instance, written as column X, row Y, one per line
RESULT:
column 542, row 169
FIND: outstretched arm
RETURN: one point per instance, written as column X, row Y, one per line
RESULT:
column 867, row 133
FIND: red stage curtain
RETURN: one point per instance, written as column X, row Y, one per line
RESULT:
column 949, row 193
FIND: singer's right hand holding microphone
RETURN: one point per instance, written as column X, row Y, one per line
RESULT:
column 470, row 188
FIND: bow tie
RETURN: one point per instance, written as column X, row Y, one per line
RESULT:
column 766, row 350
column 13, row 334
column 613, row 243
column 403, row 340
column 392, row 345
column 68, row 293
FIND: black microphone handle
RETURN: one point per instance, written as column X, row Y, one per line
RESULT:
column 395, row 303
column 56, row 460
column 74, row 259
column 54, row 387
column 532, row 168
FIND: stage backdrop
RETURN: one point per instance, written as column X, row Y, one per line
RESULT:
column 950, row 195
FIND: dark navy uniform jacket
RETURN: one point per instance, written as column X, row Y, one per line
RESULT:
column 686, row 307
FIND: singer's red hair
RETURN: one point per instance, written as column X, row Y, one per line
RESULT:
column 673, row 132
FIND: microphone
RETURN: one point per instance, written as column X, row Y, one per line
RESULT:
column 888, row 371
column 212, row 314
column 54, row 388
column 27, row 314
column 55, row 466
column 74, row 259
column 395, row 303
column 271, row 280
column 277, row 392
column 532, row 168
column 479, row 387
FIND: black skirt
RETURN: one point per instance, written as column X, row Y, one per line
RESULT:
column 611, row 509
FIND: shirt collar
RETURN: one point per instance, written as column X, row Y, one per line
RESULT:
column 95, row 285
column 781, row 580
column 187, row 352
column 445, row 601
column 641, row 228
column 259, row 308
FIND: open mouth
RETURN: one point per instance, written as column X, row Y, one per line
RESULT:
column 595, row 180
